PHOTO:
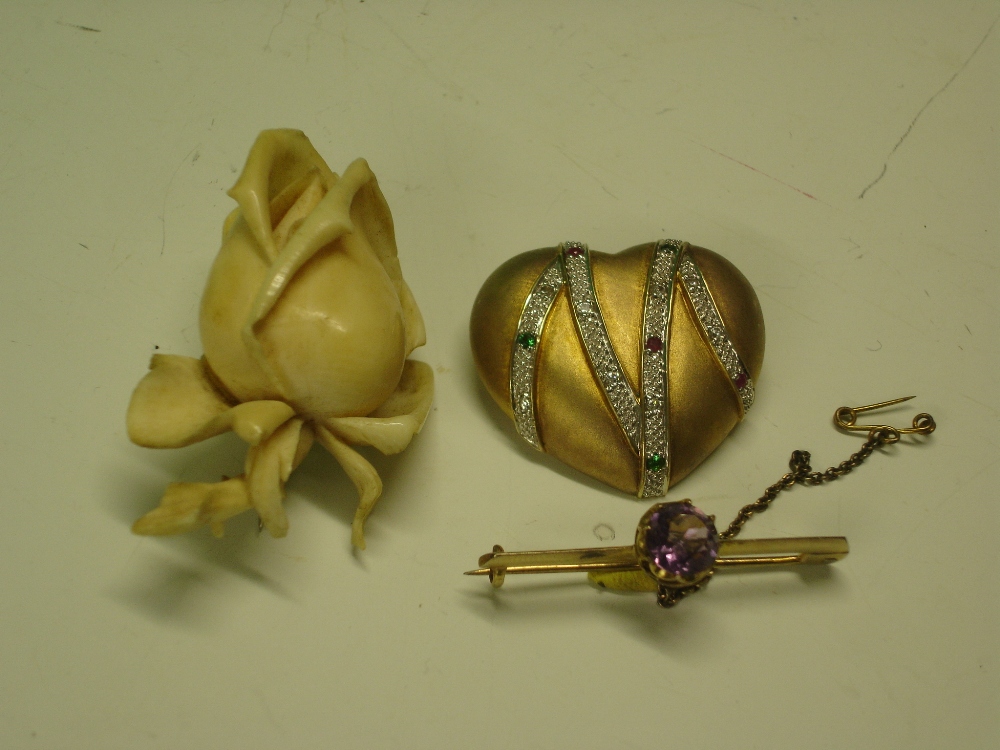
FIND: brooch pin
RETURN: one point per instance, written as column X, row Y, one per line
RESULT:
column 677, row 546
column 631, row 367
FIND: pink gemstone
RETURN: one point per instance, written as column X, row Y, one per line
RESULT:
column 654, row 344
column 574, row 251
column 741, row 380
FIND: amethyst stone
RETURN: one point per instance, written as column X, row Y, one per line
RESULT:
column 681, row 542
column 574, row 251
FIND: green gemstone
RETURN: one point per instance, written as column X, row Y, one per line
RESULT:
column 527, row 340
column 655, row 462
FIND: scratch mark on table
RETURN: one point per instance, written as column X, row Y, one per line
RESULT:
column 601, row 92
column 556, row 200
column 267, row 710
column 327, row 4
column 451, row 88
column 583, row 169
column 790, row 307
column 873, row 183
column 78, row 27
column 935, row 95
column 754, row 169
column 166, row 194
column 128, row 256
column 984, row 405
column 281, row 20
column 49, row 279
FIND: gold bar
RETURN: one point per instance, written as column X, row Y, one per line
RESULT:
column 561, row 557
column 807, row 550
column 815, row 550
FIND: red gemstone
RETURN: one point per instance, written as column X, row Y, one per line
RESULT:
column 741, row 380
column 654, row 344
column 574, row 251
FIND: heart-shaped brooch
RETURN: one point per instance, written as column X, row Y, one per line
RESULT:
column 631, row 368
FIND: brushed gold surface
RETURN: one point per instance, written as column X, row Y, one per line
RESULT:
column 620, row 282
column 575, row 422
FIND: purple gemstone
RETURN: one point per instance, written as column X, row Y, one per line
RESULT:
column 682, row 541
column 574, row 251
column 654, row 344
column 741, row 380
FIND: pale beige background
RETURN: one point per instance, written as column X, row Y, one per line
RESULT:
column 843, row 155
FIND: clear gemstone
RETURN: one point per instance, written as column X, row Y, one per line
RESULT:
column 523, row 358
column 709, row 318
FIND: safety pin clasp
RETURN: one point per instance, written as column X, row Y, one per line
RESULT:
column 846, row 418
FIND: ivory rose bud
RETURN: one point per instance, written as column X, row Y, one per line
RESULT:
column 306, row 324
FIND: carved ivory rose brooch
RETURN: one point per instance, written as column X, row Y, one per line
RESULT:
column 632, row 367
column 306, row 324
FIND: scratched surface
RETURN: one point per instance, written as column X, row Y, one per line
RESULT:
column 844, row 156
